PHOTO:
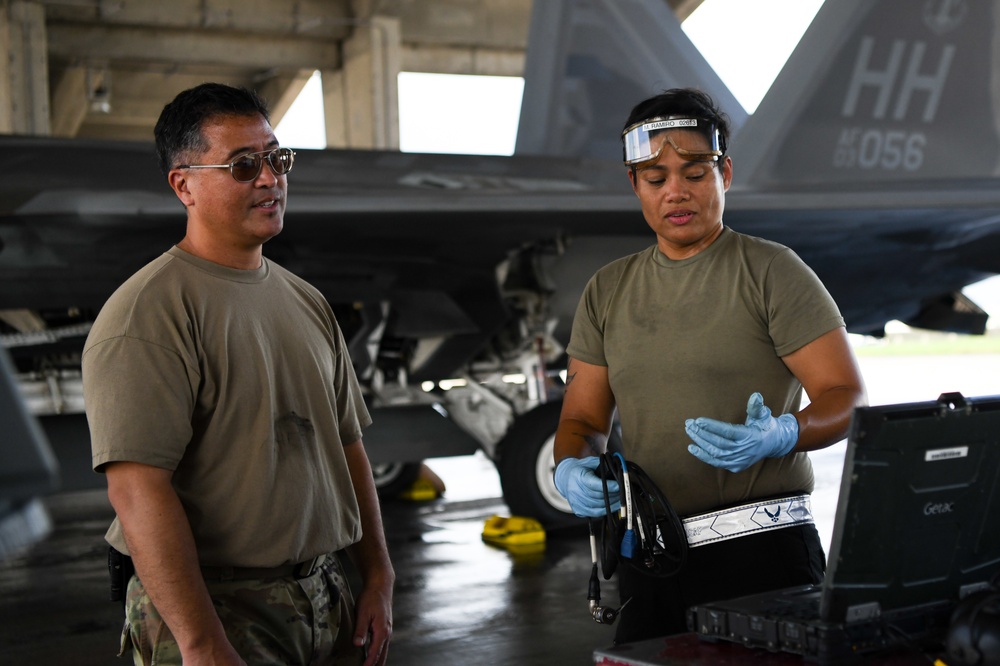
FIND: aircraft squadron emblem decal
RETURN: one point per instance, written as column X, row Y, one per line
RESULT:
column 943, row 16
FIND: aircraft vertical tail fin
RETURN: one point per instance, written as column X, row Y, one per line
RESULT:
column 589, row 62
column 881, row 92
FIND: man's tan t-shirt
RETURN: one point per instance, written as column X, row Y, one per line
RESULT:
column 239, row 382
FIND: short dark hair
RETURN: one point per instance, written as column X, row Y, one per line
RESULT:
column 682, row 102
column 178, row 129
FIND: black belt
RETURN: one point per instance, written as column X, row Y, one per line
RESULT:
column 300, row 570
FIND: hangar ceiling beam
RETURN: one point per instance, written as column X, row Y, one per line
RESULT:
column 139, row 53
column 317, row 19
column 463, row 60
column 485, row 37
column 136, row 45
column 488, row 24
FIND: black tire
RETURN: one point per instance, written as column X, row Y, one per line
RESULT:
column 391, row 479
column 526, row 466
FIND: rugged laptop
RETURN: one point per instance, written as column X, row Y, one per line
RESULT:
column 917, row 528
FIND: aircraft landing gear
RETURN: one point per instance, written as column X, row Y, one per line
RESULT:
column 526, row 466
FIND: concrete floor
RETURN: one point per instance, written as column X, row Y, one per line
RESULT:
column 457, row 599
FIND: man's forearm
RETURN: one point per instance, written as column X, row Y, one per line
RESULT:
column 374, row 605
column 162, row 547
column 371, row 552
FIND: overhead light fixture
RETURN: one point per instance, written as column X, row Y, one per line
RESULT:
column 99, row 90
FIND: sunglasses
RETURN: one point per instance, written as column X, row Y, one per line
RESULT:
column 246, row 168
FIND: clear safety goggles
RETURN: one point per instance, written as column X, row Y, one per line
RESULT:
column 642, row 142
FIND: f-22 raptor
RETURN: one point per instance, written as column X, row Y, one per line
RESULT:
column 875, row 156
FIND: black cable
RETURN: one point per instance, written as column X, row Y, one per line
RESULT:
column 658, row 544
column 651, row 538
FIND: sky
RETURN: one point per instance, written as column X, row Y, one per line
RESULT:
column 745, row 41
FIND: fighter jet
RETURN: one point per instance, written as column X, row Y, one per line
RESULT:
column 874, row 156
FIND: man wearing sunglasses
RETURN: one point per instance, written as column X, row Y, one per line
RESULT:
column 227, row 418
column 703, row 343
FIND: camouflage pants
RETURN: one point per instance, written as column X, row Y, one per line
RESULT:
column 303, row 622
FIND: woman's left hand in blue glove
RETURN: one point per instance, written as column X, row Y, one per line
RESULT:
column 735, row 447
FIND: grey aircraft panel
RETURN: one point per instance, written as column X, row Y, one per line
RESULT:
column 590, row 61
column 76, row 217
column 874, row 155
column 450, row 245
column 880, row 93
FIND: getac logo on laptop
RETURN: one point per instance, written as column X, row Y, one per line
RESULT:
column 935, row 508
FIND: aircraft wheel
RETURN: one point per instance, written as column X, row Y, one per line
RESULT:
column 393, row 478
column 526, row 467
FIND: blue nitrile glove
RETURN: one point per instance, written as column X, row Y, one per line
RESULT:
column 735, row 447
column 583, row 489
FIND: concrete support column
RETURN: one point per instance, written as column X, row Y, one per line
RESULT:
column 361, row 99
column 69, row 101
column 24, row 78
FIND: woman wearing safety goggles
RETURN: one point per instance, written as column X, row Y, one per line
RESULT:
column 704, row 344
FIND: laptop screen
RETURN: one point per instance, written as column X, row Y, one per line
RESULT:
column 918, row 521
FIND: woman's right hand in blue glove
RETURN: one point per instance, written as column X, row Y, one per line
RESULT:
column 577, row 481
